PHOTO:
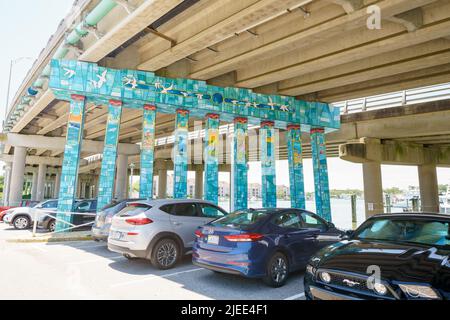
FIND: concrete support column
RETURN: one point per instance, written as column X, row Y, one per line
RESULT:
column 42, row 177
column 239, row 167
column 121, row 177
column 34, row 186
column 373, row 188
column 429, row 190
column 57, row 184
column 180, row 157
column 7, row 182
column 319, row 158
column 162, row 183
column 295, row 160
column 69, row 175
column 211, row 157
column 17, row 176
column 106, row 184
column 147, row 152
column 267, row 156
column 199, row 182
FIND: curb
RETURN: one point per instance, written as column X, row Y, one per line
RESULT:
column 47, row 240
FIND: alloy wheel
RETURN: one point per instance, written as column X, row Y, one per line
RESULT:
column 279, row 270
column 167, row 254
column 21, row 223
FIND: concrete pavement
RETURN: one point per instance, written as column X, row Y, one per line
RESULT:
column 87, row 270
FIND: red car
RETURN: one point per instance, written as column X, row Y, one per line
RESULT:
column 3, row 212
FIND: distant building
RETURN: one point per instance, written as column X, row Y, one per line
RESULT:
column 224, row 189
column 254, row 190
column 191, row 188
column 283, row 192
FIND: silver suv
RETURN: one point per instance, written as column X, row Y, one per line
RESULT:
column 161, row 231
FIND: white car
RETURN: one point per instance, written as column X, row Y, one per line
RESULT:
column 22, row 218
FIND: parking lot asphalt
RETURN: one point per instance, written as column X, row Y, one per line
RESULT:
column 88, row 270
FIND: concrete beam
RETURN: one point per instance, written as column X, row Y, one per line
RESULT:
column 399, row 82
column 242, row 15
column 37, row 160
column 429, row 190
column 43, row 101
column 393, row 152
column 349, row 6
column 138, row 20
column 55, row 124
column 294, row 64
column 58, row 143
column 332, row 28
column 411, row 20
column 426, row 55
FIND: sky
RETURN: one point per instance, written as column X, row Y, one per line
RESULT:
column 26, row 26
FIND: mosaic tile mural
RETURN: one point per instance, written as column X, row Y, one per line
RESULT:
column 240, row 169
column 136, row 88
column 69, row 174
column 147, row 152
column 108, row 170
column 181, row 154
column 295, row 160
column 267, row 156
column 187, row 97
column 211, row 178
column 319, row 158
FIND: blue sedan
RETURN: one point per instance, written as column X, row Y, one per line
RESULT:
column 262, row 243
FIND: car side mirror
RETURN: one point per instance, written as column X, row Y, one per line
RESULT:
column 331, row 225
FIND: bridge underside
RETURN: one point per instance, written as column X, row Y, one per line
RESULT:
column 272, row 47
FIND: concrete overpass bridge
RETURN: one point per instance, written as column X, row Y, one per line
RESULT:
column 272, row 47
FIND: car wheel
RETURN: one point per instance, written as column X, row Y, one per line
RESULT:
column 277, row 270
column 21, row 223
column 52, row 226
column 165, row 254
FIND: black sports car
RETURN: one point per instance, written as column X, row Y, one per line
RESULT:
column 389, row 257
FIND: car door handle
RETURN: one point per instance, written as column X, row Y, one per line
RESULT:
column 176, row 223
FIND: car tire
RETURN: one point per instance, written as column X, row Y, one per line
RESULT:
column 165, row 254
column 21, row 222
column 277, row 270
column 51, row 226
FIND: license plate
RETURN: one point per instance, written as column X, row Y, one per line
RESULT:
column 213, row 240
column 117, row 235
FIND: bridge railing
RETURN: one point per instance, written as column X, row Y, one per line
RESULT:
column 396, row 99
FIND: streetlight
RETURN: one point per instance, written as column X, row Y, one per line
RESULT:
column 11, row 65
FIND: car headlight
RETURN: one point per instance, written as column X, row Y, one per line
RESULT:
column 325, row 277
column 311, row 270
column 380, row 289
column 419, row 291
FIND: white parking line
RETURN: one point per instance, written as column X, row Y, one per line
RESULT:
column 155, row 277
column 96, row 260
column 295, row 297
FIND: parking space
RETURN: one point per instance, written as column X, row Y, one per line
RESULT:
column 87, row 270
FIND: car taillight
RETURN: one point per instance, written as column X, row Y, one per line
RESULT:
column 138, row 221
column 199, row 234
column 245, row 237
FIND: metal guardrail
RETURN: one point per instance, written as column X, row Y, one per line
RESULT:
column 395, row 99
column 39, row 213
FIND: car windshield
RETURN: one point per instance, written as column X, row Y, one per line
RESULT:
column 419, row 231
column 242, row 219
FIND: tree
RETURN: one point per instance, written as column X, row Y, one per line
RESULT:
column 393, row 191
column 443, row 188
